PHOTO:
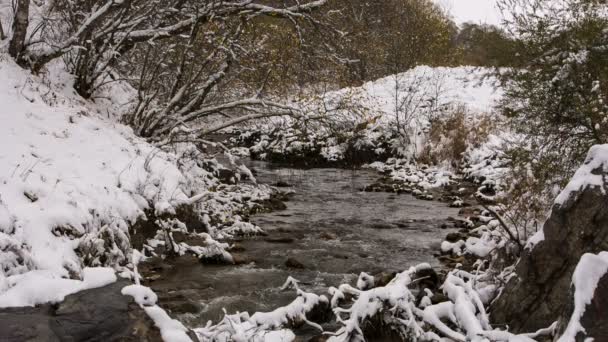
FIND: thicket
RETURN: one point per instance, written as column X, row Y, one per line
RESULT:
column 557, row 101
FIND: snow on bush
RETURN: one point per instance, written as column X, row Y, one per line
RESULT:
column 387, row 116
column 462, row 318
column 73, row 182
column 265, row 326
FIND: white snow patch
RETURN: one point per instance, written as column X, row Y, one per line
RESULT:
column 40, row 286
column 590, row 269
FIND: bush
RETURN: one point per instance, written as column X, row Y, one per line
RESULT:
column 450, row 136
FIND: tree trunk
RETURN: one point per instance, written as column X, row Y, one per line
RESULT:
column 2, row 36
column 20, row 24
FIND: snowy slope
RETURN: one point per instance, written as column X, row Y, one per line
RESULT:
column 472, row 87
column 459, row 85
column 68, row 178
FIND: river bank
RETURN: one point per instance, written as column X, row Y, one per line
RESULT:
column 330, row 231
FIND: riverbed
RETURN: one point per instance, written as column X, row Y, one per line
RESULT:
column 330, row 232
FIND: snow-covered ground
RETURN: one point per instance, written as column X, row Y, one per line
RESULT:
column 73, row 180
column 388, row 116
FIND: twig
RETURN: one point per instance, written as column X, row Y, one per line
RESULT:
column 504, row 225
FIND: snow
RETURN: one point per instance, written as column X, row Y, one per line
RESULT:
column 40, row 286
column 590, row 269
column 587, row 176
column 424, row 94
column 265, row 326
column 144, row 296
column 171, row 330
column 73, row 180
column 65, row 173
column 459, row 85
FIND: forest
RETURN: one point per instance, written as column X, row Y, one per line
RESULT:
column 303, row 170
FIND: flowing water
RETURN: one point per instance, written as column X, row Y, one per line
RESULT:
column 331, row 227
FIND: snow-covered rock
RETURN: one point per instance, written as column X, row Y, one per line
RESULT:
column 578, row 225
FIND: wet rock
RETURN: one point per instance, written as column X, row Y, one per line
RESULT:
column 454, row 237
column 182, row 307
column 215, row 260
column 154, row 265
column 283, row 184
column 439, row 297
column 469, row 212
column 101, row 314
column 279, row 240
column 294, row 263
column 427, row 279
column 340, row 256
column 226, row 176
column 321, row 313
column 538, row 294
column 241, row 259
column 383, row 278
column 327, row 236
column 382, row 226
column 237, row 247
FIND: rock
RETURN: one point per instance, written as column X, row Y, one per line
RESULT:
column 454, row 237
column 382, row 226
column 327, row 236
column 241, row 259
column 282, row 184
column 428, row 279
column 594, row 320
column 293, row 263
column 237, row 247
column 184, row 307
column 578, row 224
column 319, row 338
column 226, row 176
column 469, row 212
column 101, row 314
column 340, row 256
column 439, row 298
column 383, row 278
column 279, row 240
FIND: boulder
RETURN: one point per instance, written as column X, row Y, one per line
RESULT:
column 578, row 224
column 101, row 314
column 586, row 315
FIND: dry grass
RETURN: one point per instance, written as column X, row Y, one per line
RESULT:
column 452, row 134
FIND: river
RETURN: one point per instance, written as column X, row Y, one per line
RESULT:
column 331, row 227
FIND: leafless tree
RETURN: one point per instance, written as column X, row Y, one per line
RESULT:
column 95, row 34
column 21, row 8
column 417, row 98
column 2, row 35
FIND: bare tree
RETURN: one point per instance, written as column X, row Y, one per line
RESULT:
column 2, row 35
column 20, row 23
column 417, row 98
column 95, row 34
